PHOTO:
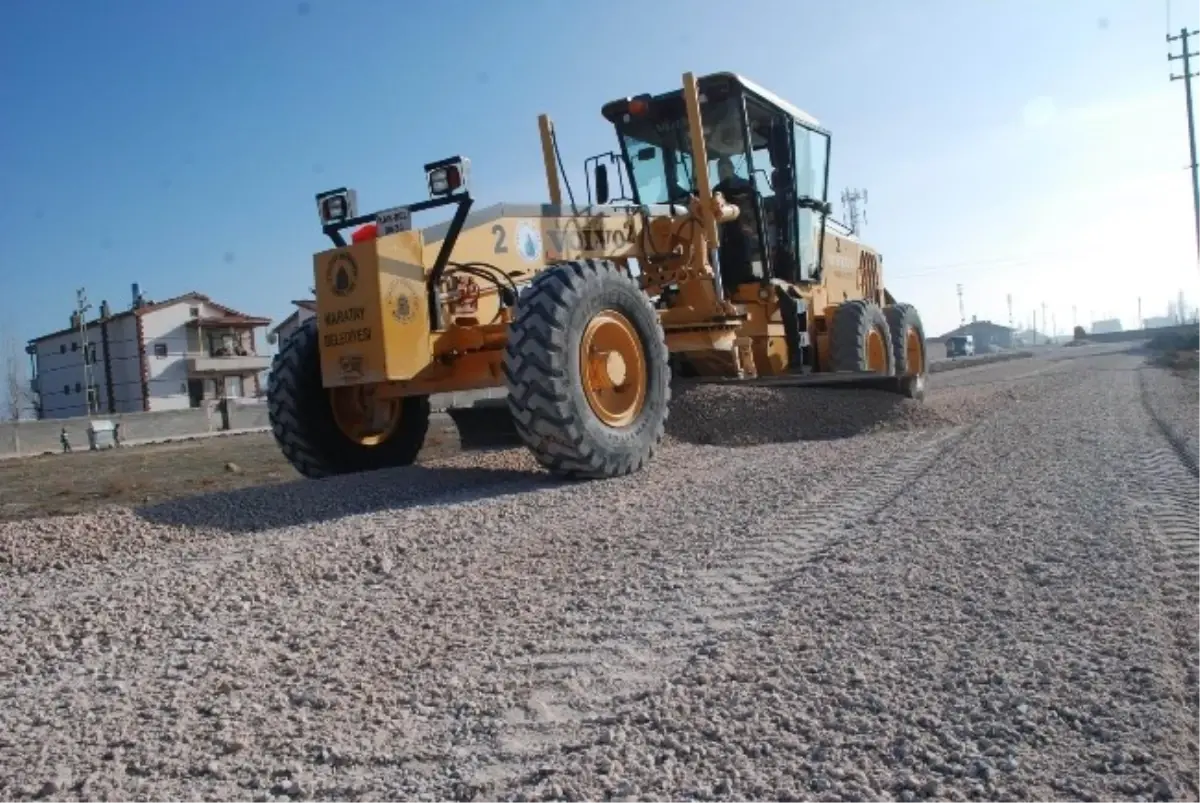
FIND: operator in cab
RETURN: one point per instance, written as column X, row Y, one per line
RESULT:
column 741, row 250
column 728, row 181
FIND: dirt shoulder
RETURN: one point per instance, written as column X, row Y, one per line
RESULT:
column 61, row 484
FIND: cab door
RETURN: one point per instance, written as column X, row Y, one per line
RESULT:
column 812, row 186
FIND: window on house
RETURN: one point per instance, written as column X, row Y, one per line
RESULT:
column 91, row 353
column 79, row 387
column 66, row 390
column 194, row 312
column 74, row 346
column 160, row 349
column 62, row 348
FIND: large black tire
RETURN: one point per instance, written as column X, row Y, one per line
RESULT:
column 903, row 318
column 853, row 322
column 303, row 424
column 544, row 377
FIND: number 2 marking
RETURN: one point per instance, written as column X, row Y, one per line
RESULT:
column 498, row 232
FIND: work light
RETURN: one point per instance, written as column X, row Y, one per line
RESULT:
column 337, row 206
column 447, row 176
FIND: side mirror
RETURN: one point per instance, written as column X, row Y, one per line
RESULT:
column 601, row 184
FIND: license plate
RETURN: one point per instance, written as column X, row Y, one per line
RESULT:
column 392, row 221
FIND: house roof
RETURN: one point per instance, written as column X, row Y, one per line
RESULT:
column 305, row 304
column 151, row 307
column 973, row 327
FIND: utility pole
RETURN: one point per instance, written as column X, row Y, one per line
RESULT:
column 1140, row 324
column 850, row 199
column 1035, row 327
column 81, row 308
column 1187, row 77
column 1010, row 317
column 1053, row 327
column 962, row 313
column 1045, row 320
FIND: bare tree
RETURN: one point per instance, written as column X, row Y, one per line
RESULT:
column 18, row 395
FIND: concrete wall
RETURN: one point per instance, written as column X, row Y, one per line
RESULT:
column 35, row 437
column 248, row 414
column 1141, row 334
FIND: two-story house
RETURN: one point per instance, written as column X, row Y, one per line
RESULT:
column 166, row 355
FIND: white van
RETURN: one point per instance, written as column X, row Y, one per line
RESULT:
column 960, row 346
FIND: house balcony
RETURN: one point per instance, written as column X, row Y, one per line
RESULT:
column 205, row 365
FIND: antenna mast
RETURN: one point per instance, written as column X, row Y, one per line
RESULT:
column 850, row 199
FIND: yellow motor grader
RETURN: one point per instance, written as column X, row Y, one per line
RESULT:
column 722, row 265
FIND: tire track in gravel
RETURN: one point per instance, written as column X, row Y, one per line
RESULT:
column 1167, row 517
column 1169, row 510
column 580, row 681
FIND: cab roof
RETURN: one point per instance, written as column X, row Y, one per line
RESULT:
column 767, row 95
column 616, row 107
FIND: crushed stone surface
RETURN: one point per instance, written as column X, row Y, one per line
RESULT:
column 993, row 596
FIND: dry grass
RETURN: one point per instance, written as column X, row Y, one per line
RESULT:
column 59, row 484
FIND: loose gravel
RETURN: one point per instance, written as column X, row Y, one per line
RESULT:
column 991, row 596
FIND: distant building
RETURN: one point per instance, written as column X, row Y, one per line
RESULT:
column 169, row 355
column 1106, row 326
column 985, row 333
column 1158, row 321
column 305, row 309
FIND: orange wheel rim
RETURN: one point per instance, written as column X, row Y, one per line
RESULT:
column 362, row 416
column 913, row 353
column 613, row 369
column 876, row 352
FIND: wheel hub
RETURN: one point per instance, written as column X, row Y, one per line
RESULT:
column 614, row 369
column 363, row 416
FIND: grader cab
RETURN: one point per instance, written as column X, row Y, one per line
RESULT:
column 721, row 267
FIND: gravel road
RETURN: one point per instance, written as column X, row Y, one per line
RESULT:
column 990, row 596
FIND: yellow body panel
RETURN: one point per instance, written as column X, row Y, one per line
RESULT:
column 350, row 315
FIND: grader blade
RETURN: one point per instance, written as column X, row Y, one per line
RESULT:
column 849, row 380
column 486, row 425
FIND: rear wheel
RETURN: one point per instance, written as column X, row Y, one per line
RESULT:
column 587, row 372
column 341, row 430
column 908, row 346
column 861, row 340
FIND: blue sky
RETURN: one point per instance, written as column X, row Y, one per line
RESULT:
column 1016, row 146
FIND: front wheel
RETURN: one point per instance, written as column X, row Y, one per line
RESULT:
column 341, row 430
column 587, row 372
